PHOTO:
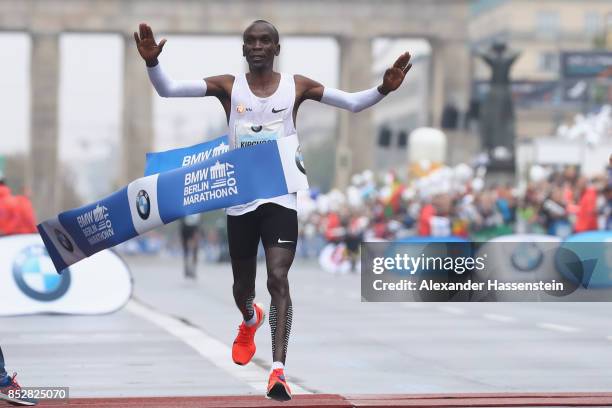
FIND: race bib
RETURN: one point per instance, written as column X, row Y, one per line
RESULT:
column 249, row 134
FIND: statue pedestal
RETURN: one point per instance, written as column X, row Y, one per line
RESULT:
column 501, row 172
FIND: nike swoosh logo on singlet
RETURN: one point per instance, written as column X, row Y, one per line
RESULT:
column 279, row 110
column 256, row 128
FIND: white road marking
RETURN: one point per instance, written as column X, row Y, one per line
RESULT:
column 452, row 310
column 499, row 318
column 211, row 349
column 558, row 327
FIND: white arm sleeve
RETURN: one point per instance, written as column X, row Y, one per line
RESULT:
column 168, row 87
column 355, row 101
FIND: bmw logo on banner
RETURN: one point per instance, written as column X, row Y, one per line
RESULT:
column 64, row 240
column 527, row 257
column 30, row 284
column 143, row 204
column 36, row 277
column 142, row 195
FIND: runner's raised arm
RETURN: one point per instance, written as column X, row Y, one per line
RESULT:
column 219, row 86
column 354, row 101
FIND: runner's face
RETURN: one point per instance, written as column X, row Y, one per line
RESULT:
column 259, row 47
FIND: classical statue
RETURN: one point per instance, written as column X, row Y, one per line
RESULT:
column 497, row 111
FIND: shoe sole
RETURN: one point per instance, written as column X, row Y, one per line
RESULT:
column 14, row 401
column 278, row 393
column 263, row 319
column 263, row 314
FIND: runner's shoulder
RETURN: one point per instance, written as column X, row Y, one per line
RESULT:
column 304, row 80
column 306, row 87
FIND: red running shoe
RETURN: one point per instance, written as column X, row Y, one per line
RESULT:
column 278, row 389
column 13, row 393
column 244, row 348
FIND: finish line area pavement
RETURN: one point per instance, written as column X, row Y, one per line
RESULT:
column 171, row 347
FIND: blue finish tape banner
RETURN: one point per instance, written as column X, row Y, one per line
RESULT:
column 159, row 162
column 236, row 177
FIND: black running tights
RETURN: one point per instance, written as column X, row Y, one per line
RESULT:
column 278, row 262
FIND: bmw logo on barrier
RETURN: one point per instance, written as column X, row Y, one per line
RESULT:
column 299, row 160
column 63, row 240
column 527, row 257
column 143, row 204
column 36, row 277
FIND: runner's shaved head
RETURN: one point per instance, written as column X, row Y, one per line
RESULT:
column 273, row 30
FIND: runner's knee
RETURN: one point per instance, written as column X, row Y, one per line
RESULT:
column 278, row 284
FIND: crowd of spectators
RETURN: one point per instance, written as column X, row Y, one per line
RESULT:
column 454, row 202
column 16, row 212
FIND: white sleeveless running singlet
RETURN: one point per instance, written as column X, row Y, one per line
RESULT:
column 256, row 120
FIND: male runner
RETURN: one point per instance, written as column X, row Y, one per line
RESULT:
column 263, row 99
column 10, row 389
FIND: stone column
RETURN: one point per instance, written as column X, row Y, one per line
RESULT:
column 355, row 142
column 137, row 138
column 449, row 79
column 42, row 177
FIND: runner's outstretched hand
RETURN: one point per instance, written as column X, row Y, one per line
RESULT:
column 395, row 75
column 147, row 47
